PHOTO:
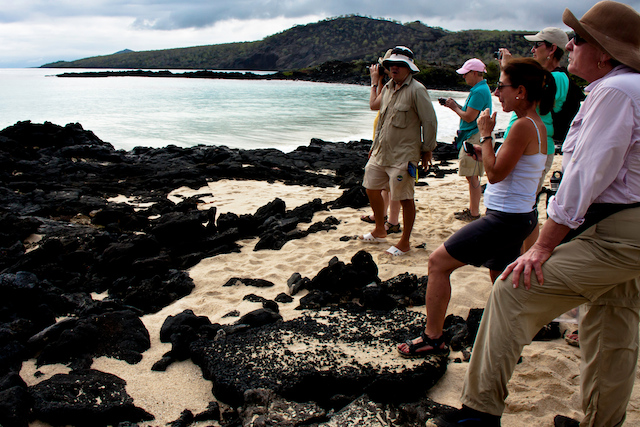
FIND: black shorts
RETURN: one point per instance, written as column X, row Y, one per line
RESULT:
column 493, row 241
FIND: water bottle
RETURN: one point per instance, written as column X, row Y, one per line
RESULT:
column 556, row 177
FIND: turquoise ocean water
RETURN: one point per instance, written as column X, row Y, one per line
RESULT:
column 155, row 112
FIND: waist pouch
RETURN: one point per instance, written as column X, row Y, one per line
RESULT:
column 596, row 213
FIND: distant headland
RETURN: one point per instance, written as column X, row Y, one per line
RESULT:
column 353, row 40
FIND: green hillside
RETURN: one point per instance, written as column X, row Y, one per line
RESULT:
column 346, row 39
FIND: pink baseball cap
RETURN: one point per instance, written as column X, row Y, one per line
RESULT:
column 473, row 64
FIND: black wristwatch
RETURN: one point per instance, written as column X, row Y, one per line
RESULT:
column 485, row 138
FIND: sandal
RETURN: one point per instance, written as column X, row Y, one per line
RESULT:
column 434, row 343
column 370, row 238
column 392, row 228
column 369, row 220
column 465, row 215
column 573, row 338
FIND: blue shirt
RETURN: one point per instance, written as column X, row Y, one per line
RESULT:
column 479, row 99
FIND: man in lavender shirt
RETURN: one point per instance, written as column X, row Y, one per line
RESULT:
column 588, row 250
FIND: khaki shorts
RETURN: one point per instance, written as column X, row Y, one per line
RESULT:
column 395, row 179
column 468, row 165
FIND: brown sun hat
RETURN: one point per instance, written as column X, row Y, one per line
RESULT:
column 611, row 26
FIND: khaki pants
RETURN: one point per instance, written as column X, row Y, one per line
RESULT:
column 600, row 267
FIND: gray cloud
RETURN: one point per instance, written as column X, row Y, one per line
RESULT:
column 491, row 14
column 179, row 14
column 80, row 28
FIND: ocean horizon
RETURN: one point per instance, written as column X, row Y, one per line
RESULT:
column 156, row 112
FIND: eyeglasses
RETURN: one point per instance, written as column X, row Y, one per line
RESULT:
column 577, row 40
column 500, row 85
column 540, row 43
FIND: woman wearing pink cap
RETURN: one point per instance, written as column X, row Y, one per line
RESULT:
column 479, row 99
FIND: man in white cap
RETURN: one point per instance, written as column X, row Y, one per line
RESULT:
column 478, row 100
column 405, row 134
column 548, row 49
column 549, row 46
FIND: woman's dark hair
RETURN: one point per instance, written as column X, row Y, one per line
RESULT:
column 539, row 83
column 559, row 53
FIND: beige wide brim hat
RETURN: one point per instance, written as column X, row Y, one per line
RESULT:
column 398, row 59
column 386, row 56
column 401, row 55
column 611, row 26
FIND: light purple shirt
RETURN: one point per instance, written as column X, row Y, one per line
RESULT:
column 601, row 154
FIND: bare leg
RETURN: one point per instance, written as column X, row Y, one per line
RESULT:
column 441, row 265
column 377, row 205
column 475, row 192
column 385, row 197
column 394, row 212
column 408, row 217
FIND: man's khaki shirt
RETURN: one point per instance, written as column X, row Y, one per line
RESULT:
column 407, row 125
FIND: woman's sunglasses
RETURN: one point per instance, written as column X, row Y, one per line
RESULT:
column 500, row 85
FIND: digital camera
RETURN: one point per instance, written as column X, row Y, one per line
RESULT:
column 468, row 148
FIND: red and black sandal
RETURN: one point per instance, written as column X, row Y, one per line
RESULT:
column 438, row 346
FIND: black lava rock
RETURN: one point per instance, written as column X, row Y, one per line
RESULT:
column 85, row 398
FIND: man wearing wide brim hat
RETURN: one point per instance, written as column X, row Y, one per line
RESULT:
column 405, row 134
column 588, row 250
column 402, row 56
column 605, row 18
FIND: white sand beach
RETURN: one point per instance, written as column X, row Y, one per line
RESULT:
column 546, row 383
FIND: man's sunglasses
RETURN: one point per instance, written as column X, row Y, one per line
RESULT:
column 577, row 40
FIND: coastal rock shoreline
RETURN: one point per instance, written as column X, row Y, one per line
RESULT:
column 328, row 72
column 59, row 183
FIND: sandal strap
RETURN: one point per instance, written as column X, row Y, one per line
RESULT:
column 392, row 227
column 434, row 343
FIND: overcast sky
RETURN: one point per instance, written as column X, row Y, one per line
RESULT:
column 35, row 32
